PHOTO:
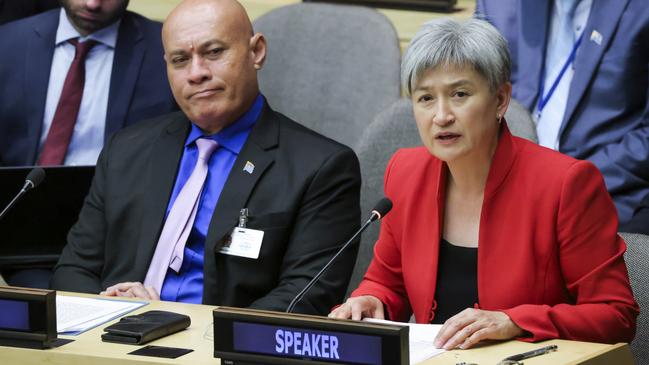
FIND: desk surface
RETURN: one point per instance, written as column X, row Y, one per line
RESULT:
column 87, row 348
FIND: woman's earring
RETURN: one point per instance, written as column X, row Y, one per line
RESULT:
column 499, row 118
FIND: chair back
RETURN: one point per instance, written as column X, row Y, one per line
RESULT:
column 637, row 262
column 330, row 67
column 392, row 129
column 520, row 122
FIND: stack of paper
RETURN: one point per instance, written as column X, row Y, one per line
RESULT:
column 75, row 315
column 420, row 337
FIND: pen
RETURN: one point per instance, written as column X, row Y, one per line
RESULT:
column 527, row 355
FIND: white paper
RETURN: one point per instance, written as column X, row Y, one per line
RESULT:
column 75, row 315
column 420, row 339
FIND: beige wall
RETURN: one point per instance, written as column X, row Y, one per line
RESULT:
column 405, row 22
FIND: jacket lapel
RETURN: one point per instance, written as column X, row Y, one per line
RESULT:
column 531, row 49
column 126, row 67
column 38, row 63
column 603, row 19
column 240, row 183
column 489, row 256
column 236, row 192
column 164, row 160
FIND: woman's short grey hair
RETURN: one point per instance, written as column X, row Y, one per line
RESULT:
column 445, row 42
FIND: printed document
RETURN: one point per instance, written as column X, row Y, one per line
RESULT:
column 420, row 339
column 75, row 315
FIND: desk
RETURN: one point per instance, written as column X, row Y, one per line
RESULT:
column 87, row 348
column 406, row 22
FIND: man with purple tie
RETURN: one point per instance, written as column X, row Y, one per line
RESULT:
column 226, row 202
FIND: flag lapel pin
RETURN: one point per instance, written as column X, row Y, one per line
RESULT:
column 596, row 37
column 249, row 167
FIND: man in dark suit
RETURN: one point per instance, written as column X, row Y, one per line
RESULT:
column 124, row 80
column 606, row 117
column 266, row 174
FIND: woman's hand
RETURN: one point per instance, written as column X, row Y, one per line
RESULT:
column 471, row 326
column 358, row 308
column 131, row 290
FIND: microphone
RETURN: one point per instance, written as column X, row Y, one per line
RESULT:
column 380, row 210
column 33, row 179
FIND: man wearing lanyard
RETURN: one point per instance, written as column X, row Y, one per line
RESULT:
column 582, row 69
column 566, row 34
column 224, row 203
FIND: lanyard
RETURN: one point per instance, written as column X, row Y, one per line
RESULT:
column 571, row 58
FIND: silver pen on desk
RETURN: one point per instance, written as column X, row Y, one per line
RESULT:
column 526, row 355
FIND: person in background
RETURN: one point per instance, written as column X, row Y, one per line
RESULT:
column 71, row 77
column 224, row 203
column 490, row 234
column 582, row 69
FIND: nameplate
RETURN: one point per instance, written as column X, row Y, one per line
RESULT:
column 27, row 317
column 253, row 336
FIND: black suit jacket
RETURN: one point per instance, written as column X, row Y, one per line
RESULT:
column 138, row 84
column 303, row 193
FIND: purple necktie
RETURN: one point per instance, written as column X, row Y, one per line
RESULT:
column 65, row 116
column 171, row 244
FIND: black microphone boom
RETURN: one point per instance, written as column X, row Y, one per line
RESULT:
column 33, row 179
column 380, row 210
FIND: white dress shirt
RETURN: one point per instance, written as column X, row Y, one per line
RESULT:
column 551, row 117
column 88, row 136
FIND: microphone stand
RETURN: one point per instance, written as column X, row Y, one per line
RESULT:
column 34, row 178
column 308, row 286
column 28, row 186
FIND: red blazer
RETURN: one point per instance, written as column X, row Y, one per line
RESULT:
column 549, row 255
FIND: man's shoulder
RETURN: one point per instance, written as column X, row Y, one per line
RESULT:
column 136, row 26
column 49, row 15
column 143, row 22
column 150, row 128
column 19, row 29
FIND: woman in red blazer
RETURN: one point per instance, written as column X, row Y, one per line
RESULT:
column 490, row 234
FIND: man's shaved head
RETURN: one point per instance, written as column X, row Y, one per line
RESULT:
column 229, row 14
column 212, row 60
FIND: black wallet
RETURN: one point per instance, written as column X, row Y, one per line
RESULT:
column 148, row 326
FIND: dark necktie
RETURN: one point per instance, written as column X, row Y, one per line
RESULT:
column 65, row 117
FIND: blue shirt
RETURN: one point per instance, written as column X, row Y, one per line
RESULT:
column 187, row 284
column 88, row 136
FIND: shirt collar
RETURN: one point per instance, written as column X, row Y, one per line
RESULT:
column 235, row 135
column 106, row 36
